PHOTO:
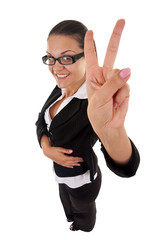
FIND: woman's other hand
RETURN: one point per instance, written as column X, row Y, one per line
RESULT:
column 59, row 155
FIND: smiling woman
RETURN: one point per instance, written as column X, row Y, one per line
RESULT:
column 88, row 103
column 65, row 48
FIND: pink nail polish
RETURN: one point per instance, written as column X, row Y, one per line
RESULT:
column 125, row 73
column 115, row 105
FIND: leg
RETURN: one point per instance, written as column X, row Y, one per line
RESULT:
column 83, row 204
column 64, row 196
column 84, row 217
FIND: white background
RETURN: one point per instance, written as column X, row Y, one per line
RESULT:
column 29, row 202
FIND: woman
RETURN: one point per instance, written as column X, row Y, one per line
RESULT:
column 87, row 104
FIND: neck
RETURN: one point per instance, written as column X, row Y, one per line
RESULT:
column 70, row 91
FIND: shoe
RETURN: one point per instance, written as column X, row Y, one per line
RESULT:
column 72, row 228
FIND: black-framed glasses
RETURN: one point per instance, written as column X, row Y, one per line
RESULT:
column 65, row 60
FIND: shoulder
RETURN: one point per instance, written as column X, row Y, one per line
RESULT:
column 56, row 92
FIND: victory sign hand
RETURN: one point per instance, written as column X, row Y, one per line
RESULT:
column 108, row 92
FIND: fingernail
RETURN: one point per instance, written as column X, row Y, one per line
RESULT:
column 70, row 151
column 125, row 73
column 115, row 105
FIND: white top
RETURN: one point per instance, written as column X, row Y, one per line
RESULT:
column 80, row 180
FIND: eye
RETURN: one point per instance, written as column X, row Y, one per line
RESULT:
column 66, row 60
column 50, row 58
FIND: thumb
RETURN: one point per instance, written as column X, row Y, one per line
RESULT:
column 64, row 150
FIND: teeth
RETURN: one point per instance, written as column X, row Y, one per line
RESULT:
column 62, row 76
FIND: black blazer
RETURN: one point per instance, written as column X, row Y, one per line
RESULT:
column 71, row 129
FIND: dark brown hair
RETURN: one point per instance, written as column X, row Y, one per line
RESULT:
column 70, row 28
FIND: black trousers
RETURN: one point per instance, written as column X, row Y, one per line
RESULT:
column 79, row 203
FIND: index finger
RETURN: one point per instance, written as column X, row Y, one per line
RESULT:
column 114, row 44
column 89, row 50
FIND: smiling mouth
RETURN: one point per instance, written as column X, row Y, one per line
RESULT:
column 62, row 76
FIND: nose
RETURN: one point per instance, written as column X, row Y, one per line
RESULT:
column 57, row 66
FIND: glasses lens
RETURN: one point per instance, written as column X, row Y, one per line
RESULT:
column 49, row 60
column 66, row 60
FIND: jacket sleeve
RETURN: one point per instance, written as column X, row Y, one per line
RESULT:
column 40, row 123
column 41, row 127
column 123, row 170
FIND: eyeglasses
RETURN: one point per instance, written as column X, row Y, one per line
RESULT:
column 65, row 60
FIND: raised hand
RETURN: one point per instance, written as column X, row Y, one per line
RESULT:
column 108, row 93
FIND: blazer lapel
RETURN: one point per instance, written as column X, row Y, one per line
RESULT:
column 56, row 93
column 66, row 113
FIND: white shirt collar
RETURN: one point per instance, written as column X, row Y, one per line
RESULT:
column 81, row 92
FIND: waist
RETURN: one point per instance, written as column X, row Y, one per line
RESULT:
column 76, row 181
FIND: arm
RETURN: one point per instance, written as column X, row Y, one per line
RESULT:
column 123, row 170
column 117, row 144
column 56, row 154
column 108, row 96
column 40, row 123
column 41, row 127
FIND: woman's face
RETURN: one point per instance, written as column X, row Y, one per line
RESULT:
column 67, row 76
